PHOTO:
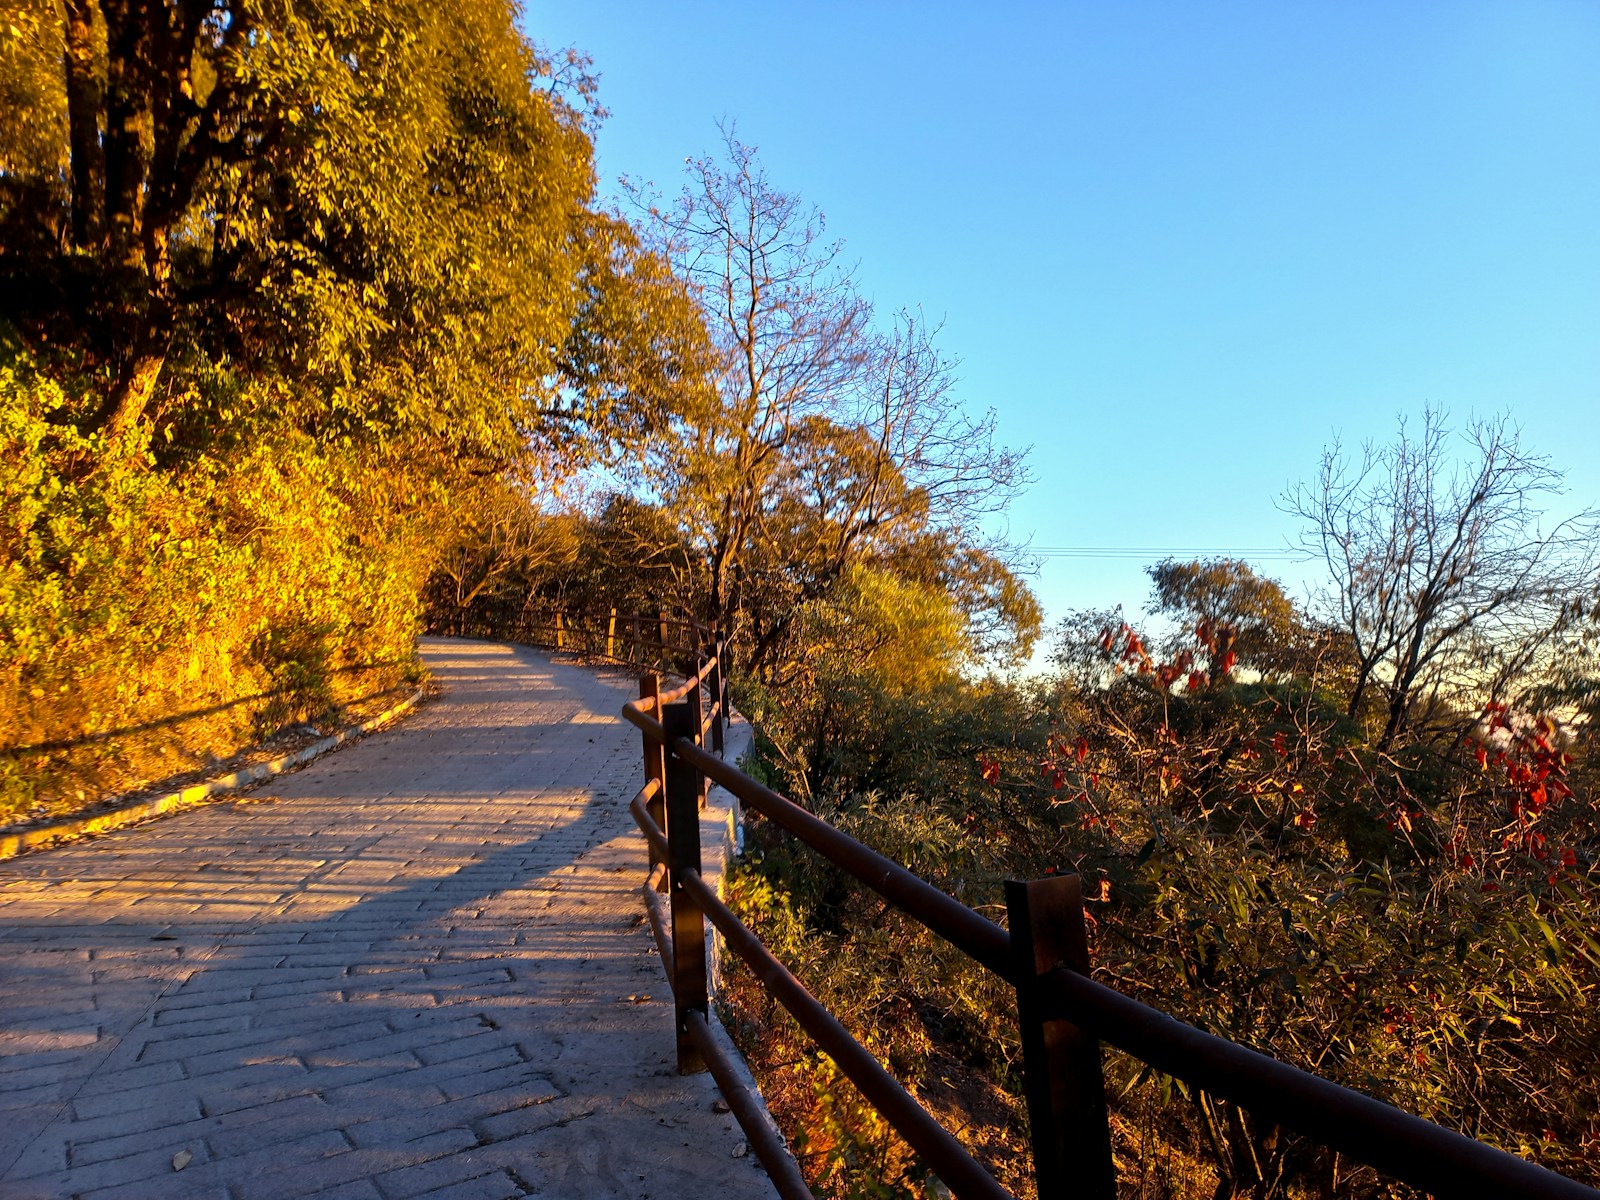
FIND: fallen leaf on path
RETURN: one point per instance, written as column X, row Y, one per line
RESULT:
column 181, row 1159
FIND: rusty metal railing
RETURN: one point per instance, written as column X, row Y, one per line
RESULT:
column 1064, row 1014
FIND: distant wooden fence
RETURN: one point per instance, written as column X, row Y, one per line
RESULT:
column 660, row 640
column 1064, row 1015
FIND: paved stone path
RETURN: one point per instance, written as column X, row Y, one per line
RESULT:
column 417, row 967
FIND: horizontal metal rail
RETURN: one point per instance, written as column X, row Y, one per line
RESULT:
column 1403, row 1146
column 937, row 1146
column 596, row 614
column 698, row 679
column 975, row 935
column 1410, row 1149
column 641, row 816
column 751, row 1113
column 743, row 1101
column 660, row 919
column 711, row 719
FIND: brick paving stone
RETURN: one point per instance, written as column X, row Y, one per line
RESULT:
column 401, row 971
column 468, row 1179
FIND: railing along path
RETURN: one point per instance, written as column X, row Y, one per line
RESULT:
column 1064, row 1014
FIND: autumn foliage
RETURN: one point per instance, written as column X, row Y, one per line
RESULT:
column 1417, row 921
column 292, row 299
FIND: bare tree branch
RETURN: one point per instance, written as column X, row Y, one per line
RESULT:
column 1444, row 578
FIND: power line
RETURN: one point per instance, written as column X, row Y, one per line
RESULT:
column 1156, row 553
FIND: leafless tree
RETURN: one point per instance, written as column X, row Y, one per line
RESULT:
column 1444, row 576
column 792, row 333
column 946, row 452
column 830, row 436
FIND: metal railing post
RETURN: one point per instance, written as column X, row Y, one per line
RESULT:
column 697, row 707
column 684, row 785
column 726, row 669
column 1062, row 1076
column 717, row 698
column 655, row 764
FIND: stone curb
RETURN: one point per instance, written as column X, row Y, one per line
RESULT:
column 722, row 841
column 722, row 837
column 44, row 836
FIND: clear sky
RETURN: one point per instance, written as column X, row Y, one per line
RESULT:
column 1178, row 247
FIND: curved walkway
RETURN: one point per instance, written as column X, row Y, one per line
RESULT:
column 417, row 967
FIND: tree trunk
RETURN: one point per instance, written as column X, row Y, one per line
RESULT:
column 85, row 99
column 1399, row 703
column 1358, row 690
column 130, row 396
column 129, row 131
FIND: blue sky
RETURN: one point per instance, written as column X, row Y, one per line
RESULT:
column 1178, row 247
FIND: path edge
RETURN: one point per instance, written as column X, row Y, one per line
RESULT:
column 44, row 837
column 722, row 841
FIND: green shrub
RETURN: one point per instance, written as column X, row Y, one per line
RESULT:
column 153, row 619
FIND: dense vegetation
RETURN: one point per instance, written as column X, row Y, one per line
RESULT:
column 310, row 323
column 1362, row 839
column 287, row 291
column 821, row 499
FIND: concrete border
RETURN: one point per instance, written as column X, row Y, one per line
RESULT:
column 722, row 836
column 722, row 841
column 133, row 811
